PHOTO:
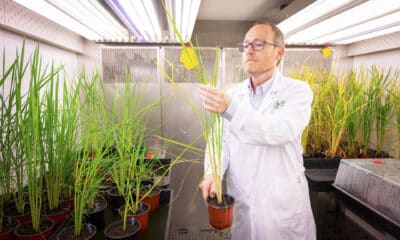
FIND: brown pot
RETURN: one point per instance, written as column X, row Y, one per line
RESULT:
column 153, row 199
column 8, row 229
column 221, row 215
column 59, row 214
column 142, row 215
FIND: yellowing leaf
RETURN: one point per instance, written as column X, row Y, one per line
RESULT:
column 189, row 58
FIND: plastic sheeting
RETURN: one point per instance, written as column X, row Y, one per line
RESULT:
column 373, row 182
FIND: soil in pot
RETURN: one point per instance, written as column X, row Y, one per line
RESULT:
column 8, row 229
column 24, row 231
column 141, row 215
column 96, row 214
column 221, row 215
column 88, row 232
column 115, row 230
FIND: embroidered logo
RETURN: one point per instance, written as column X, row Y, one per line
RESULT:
column 279, row 103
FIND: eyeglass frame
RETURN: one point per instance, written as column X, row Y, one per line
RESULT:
column 243, row 48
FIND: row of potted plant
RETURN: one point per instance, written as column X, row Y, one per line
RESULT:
column 349, row 111
column 60, row 140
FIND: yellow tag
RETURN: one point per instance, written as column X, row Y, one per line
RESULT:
column 189, row 58
column 326, row 51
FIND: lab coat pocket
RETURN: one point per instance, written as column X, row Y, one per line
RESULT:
column 287, row 200
column 290, row 210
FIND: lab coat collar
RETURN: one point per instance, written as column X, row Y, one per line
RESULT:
column 277, row 84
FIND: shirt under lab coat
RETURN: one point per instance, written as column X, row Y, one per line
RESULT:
column 263, row 164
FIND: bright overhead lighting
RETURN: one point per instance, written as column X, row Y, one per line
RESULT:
column 361, row 29
column 87, row 18
column 356, row 15
column 310, row 13
column 184, row 14
column 57, row 16
column 140, row 17
column 93, row 15
column 370, row 35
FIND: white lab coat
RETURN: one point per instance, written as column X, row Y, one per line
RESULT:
column 263, row 164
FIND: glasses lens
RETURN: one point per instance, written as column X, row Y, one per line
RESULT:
column 242, row 46
column 258, row 45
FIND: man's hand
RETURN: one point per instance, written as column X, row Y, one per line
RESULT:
column 207, row 187
column 215, row 100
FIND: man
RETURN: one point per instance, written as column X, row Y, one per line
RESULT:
column 265, row 116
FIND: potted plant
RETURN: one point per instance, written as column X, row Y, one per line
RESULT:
column 60, row 124
column 129, row 168
column 395, row 92
column 34, row 150
column 212, row 129
column 8, row 113
column 88, row 168
column 383, row 106
column 12, row 147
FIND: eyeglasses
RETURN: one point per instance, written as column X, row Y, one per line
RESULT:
column 256, row 45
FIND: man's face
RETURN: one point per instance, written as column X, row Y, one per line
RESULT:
column 265, row 60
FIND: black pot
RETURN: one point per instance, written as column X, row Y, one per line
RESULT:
column 115, row 230
column 96, row 214
column 115, row 199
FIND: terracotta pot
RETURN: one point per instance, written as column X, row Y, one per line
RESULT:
column 153, row 200
column 8, row 229
column 221, row 215
column 58, row 215
column 24, row 230
column 115, row 230
column 88, row 232
column 142, row 215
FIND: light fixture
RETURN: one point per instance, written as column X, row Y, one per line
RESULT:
column 55, row 15
column 370, row 35
column 140, row 17
column 359, row 14
column 184, row 14
column 377, row 24
column 310, row 13
column 87, row 18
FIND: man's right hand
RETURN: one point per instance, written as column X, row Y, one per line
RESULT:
column 207, row 187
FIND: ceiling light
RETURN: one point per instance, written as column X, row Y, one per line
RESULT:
column 361, row 29
column 57, row 16
column 370, row 35
column 310, row 13
column 356, row 15
column 87, row 18
column 140, row 17
column 184, row 14
column 93, row 15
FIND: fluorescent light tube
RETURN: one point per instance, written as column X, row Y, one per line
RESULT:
column 361, row 29
column 370, row 35
column 357, row 15
column 310, row 13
